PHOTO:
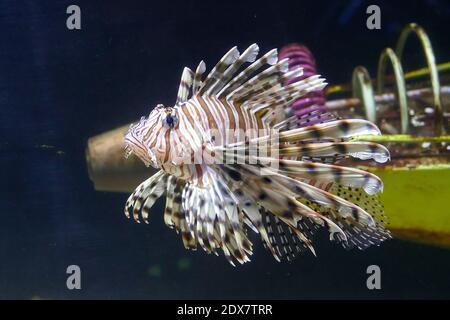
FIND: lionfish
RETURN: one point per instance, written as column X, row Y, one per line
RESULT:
column 242, row 103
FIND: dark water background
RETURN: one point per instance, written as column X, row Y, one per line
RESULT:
column 59, row 87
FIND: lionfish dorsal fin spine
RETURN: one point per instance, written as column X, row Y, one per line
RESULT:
column 185, row 86
column 249, row 55
column 270, row 58
column 201, row 68
column 216, row 73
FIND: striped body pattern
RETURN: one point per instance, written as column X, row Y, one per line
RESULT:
column 233, row 156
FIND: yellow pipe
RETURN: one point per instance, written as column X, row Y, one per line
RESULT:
column 401, row 138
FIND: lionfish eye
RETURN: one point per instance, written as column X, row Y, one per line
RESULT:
column 170, row 121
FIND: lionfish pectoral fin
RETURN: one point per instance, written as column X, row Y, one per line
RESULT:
column 292, row 210
column 358, row 150
column 207, row 216
column 175, row 215
column 145, row 196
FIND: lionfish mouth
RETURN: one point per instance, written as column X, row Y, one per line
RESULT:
column 147, row 156
column 128, row 151
column 133, row 142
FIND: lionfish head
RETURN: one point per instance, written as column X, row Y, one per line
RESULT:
column 144, row 134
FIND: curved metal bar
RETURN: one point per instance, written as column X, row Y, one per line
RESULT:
column 362, row 89
column 431, row 62
column 389, row 54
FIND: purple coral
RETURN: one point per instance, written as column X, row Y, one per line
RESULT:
column 300, row 57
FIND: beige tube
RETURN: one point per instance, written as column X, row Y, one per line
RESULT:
column 108, row 168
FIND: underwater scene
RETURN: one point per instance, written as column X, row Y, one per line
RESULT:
column 191, row 150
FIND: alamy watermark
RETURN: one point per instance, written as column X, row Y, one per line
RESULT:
column 73, row 21
column 374, row 280
column 374, row 19
column 74, row 279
